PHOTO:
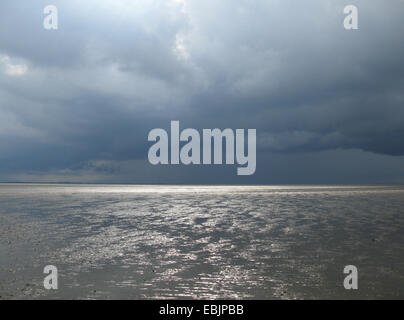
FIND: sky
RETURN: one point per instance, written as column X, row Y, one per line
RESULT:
column 77, row 103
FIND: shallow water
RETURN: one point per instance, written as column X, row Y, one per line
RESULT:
column 142, row 242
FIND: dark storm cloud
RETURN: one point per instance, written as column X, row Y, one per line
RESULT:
column 83, row 98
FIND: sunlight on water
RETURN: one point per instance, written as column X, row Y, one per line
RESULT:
column 121, row 241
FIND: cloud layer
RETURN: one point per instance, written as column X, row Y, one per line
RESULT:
column 77, row 103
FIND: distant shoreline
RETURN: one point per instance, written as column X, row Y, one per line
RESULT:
column 210, row 184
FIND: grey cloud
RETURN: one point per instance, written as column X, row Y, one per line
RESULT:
column 116, row 69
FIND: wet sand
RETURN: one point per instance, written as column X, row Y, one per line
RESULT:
column 146, row 242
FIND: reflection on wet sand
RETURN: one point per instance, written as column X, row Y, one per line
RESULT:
column 200, row 241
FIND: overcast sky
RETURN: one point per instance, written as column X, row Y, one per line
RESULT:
column 77, row 103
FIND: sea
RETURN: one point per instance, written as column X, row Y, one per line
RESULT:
column 201, row 242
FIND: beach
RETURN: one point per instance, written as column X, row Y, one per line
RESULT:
column 201, row 242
